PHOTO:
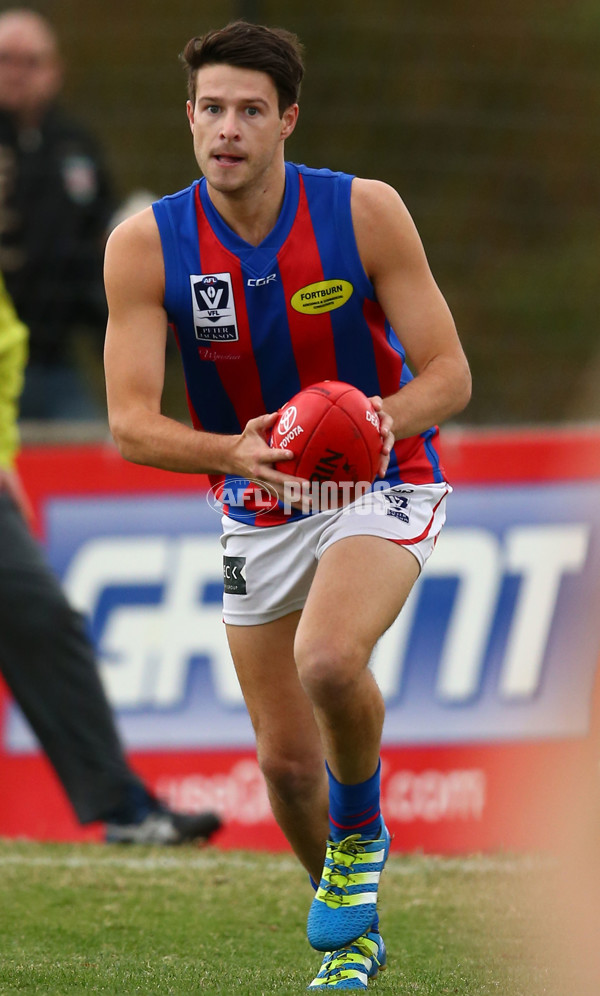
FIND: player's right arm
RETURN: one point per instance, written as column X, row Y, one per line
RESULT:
column 134, row 359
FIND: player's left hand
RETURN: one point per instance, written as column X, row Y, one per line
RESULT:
column 387, row 436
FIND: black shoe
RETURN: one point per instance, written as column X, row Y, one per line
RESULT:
column 163, row 827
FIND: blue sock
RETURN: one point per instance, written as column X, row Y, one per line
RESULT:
column 336, row 787
column 355, row 808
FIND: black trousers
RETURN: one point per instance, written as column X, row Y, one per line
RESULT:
column 49, row 665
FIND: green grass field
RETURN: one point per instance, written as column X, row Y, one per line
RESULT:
column 101, row 919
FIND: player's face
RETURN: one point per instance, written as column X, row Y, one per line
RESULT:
column 237, row 128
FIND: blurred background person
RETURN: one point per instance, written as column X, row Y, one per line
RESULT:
column 48, row 663
column 56, row 201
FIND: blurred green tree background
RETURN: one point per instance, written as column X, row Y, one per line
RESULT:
column 485, row 117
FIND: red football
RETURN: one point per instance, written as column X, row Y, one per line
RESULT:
column 333, row 431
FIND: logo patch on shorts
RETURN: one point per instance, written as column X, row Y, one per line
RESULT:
column 397, row 514
column 397, row 505
column 214, row 307
column 234, row 575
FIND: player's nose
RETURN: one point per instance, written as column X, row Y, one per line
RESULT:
column 229, row 125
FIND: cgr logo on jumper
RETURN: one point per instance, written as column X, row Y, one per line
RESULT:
column 261, row 281
column 214, row 307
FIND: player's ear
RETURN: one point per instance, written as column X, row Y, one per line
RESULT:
column 288, row 120
column 189, row 110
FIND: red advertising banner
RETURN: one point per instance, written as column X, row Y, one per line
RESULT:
column 490, row 676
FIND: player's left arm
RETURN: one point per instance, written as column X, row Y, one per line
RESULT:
column 394, row 260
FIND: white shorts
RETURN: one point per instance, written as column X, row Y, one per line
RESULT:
column 268, row 570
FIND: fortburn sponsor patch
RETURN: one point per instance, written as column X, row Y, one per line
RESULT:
column 325, row 295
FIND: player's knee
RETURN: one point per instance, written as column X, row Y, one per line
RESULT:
column 327, row 668
column 291, row 778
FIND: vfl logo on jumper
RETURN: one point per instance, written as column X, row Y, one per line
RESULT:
column 214, row 307
column 234, row 575
column 325, row 295
column 397, row 505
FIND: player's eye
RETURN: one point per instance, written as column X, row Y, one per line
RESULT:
column 213, row 108
column 252, row 112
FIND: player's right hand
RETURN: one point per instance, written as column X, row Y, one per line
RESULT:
column 253, row 457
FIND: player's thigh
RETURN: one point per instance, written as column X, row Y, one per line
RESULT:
column 279, row 708
column 360, row 586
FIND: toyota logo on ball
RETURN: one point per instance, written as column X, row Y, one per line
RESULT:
column 287, row 419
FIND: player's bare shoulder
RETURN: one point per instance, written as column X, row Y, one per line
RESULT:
column 375, row 203
column 134, row 253
column 382, row 222
column 373, row 195
column 138, row 232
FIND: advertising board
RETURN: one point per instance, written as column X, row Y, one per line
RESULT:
column 489, row 675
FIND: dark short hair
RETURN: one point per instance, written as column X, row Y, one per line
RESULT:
column 274, row 51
